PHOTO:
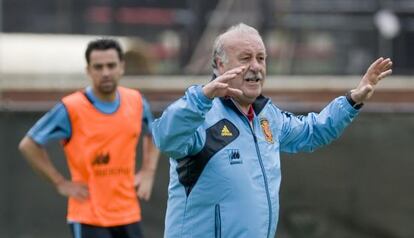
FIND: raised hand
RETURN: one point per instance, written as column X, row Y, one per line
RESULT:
column 219, row 87
column 378, row 70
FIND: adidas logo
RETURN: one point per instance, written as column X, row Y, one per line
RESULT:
column 225, row 131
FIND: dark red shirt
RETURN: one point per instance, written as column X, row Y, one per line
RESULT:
column 250, row 114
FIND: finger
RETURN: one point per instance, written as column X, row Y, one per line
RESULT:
column 137, row 181
column 226, row 77
column 81, row 195
column 384, row 74
column 219, row 85
column 388, row 66
column 84, row 186
column 84, row 193
column 236, row 70
column 233, row 92
column 80, row 198
column 143, row 195
column 382, row 66
column 375, row 64
column 367, row 89
column 213, row 89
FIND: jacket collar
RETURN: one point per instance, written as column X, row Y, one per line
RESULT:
column 258, row 104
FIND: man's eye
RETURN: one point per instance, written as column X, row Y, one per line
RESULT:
column 111, row 66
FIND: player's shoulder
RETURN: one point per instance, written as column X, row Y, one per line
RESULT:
column 74, row 97
column 129, row 91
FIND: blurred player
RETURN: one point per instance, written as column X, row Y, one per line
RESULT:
column 100, row 127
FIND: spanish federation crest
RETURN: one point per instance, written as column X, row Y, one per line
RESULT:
column 264, row 123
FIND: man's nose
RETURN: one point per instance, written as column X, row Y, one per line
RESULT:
column 254, row 66
column 105, row 71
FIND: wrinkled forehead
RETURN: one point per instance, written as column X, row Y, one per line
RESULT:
column 240, row 41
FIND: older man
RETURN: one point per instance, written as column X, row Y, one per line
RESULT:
column 224, row 140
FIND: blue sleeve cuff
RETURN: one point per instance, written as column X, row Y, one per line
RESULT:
column 200, row 94
column 347, row 106
column 197, row 98
column 37, row 140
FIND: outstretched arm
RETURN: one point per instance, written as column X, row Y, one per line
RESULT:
column 378, row 70
column 305, row 133
column 38, row 158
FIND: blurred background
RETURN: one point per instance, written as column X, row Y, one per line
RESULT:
column 360, row 186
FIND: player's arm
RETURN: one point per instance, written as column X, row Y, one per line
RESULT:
column 175, row 131
column 38, row 158
column 53, row 125
column 315, row 130
column 306, row 133
column 144, row 179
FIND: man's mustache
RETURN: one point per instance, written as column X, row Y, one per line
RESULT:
column 253, row 76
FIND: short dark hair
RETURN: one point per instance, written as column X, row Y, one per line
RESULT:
column 104, row 44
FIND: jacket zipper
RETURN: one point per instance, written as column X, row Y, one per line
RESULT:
column 262, row 168
column 217, row 222
column 264, row 175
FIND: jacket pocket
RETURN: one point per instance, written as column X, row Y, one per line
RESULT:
column 217, row 222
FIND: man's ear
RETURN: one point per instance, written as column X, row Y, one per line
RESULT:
column 220, row 65
column 122, row 64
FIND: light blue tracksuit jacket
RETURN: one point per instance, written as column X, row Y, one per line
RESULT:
column 225, row 173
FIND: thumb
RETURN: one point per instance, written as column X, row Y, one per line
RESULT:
column 138, row 179
column 367, row 89
column 364, row 93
